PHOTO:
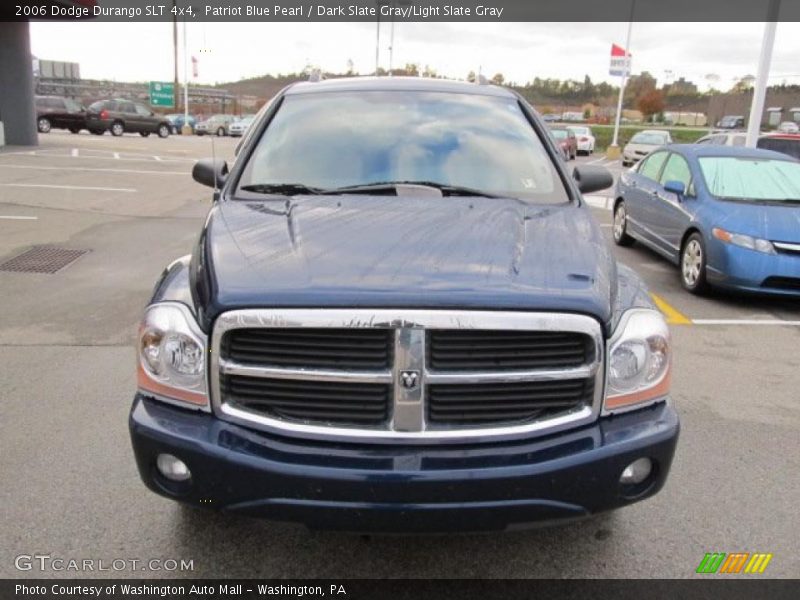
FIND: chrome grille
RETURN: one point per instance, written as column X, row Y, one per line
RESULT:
column 406, row 375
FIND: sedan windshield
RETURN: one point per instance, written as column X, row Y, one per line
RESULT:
column 650, row 139
column 736, row 178
column 332, row 140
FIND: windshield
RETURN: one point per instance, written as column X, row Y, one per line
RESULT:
column 753, row 179
column 580, row 130
column 559, row 134
column 651, row 139
column 342, row 139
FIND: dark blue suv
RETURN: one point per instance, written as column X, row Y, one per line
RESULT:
column 401, row 316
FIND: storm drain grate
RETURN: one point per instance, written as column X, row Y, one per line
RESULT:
column 42, row 259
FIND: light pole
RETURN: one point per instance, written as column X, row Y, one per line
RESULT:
column 186, row 129
column 760, row 89
column 613, row 152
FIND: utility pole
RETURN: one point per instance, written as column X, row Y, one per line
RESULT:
column 186, row 129
column 760, row 89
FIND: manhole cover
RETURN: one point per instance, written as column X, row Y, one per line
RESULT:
column 42, row 259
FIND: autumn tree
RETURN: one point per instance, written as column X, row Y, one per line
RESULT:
column 498, row 79
column 650, row 103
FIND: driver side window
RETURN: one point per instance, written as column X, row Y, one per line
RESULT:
column 677, row 169
column 651, row 166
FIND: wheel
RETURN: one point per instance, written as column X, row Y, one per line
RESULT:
column 43, row 124
column 620, row 229
column 117, row 129
column 693, row 264
column 144, row 133
column 220, row 131
column 163, row 131
column 626, row 163
column 74, row 130
column 97, row 131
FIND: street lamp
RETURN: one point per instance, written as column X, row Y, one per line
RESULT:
column 613, row 151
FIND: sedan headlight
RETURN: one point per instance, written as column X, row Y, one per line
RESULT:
column 639, row 361
column 171, row 351
column 744, row 241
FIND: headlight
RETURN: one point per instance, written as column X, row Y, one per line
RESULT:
column 171, row 351
column 639, row 360
column 745, row 241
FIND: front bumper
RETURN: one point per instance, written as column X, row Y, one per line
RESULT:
column 400, row 488
column 737, row 268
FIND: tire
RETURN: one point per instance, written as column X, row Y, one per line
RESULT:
column 74, row 130
column 620, row 227
column 626, row 163
column 43, row 125
column 144, row 133
column 693, row 264
column 117, row 128
column 220, row 131
column 163, row 131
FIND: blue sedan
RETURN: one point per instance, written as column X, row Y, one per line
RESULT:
column 727, row 216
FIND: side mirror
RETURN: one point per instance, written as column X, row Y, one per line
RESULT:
column 211, row 172
column 592, row 179
column 676, row 187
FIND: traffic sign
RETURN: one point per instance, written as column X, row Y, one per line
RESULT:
column 620, row 61
column 162, row 94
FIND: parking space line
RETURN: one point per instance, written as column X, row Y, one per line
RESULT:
column 767, row 322
column 67, row 187
column 18, row 218
column 50, row 168
column 674, row 317
column 116, row 155
column 74, row 152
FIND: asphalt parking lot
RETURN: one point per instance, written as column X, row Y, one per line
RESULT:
column 71, row 489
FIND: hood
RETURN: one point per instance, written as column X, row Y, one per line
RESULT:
column 641, row 148
column 387, row 251
column 766, row 221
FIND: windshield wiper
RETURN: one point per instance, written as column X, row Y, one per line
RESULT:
column 283, row 189
column 388, row 186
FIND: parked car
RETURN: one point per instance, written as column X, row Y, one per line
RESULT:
column 786, row 143
column 726, row 216
column 58, row 112
column 723, row 138
column 176, row 122
column 642, row 144
column 217, row 124
column 124, row 116
column 731, row 122
column 788, row 127
column 585, row 138
column 551, row 118
column 566, row 141
column 345, row 349
column 239, row 128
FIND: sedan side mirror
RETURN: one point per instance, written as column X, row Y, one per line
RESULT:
column 211, row 172
column 675, row 187
column 592, row 179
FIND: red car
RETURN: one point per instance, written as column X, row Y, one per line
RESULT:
column 566, row 139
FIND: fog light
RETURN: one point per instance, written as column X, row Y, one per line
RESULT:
column 636, row 472
column 173, row 468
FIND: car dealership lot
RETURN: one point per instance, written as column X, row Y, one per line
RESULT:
column 71, row 488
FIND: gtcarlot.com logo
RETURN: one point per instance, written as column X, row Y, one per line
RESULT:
column 47, row 562
column 736, row 562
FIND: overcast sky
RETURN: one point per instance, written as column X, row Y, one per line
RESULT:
column 521, row 51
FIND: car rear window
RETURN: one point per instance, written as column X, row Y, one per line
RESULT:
column 783, row 145
column 338, row 139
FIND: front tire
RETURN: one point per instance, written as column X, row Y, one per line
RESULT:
column 74, row 130
column 693, row 264
column 220, row 132
column 144, row 133
column 620, row 227
column 163, row 131
column 44, row 125
column 117, row 129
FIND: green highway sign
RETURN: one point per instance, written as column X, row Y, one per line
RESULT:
column 162, row 94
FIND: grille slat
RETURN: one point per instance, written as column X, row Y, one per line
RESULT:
column 463, row 350
column 341, row 348
column 497, row 403
column 339, row 403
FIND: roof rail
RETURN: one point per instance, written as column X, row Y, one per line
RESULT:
column 315, row 75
